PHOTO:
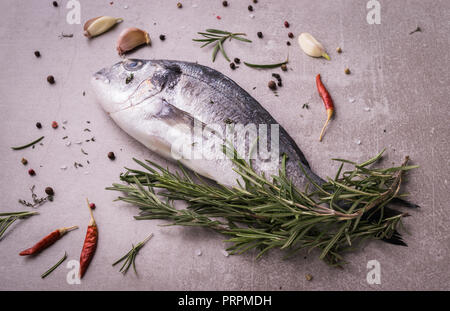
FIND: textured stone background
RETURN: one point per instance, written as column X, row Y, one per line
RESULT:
column 402, row 78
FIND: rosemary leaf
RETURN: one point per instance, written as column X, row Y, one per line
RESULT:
column 28, row 145
column 266, row 66
column 45, row 274
column 130, row 257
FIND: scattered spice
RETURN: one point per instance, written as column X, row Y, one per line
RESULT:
column 308, row 277
column 232, row 66
column 84, row 152
column 36, row 201
column 84, row 93
column 339, row 50
column 311, row 46
column 237, row 60
column 45, row 274
column 286, row 24
column 328, row 102
column 250, row 8
column 89, row 245
column 92, row 205
column 49, row 191
column 66, row 35
column 288, row 43
column 51, row 79
column 284, row 67
column 305, row 106
column 55, row 124
column 291, row 35
column 218, row 17
column 418, row 29
column 162, row 37
column 278, row 77
column 24, row 161
column 46, row 241
column 131, row 38
column 98, row 25
column 37, row 53
column 179, row 5
column 55, row 4
column 28, row 145
column 347, row 71
column 225, row 3
column 111, row 155
column 259, row 34
column 255, row 1
column 272, row 85
column 39, row 125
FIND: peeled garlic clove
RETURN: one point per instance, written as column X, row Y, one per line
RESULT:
column 311, row 46
column 98, row 25
column 131, row 38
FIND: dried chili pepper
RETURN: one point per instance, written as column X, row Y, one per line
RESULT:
column 327, row 101
column 89, row 245
column 46, row 241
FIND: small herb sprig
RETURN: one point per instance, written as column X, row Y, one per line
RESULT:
column 267, row 66
column 130, row 257
column 46, row 273
column 272, row 213
column 218, row 38
column 7, row 219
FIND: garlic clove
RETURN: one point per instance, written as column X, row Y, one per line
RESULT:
column 311, row 46
column 131, row 38
column 98, row 25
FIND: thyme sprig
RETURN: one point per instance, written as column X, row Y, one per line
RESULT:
column 130, row 257
column 264, row 213
column 218, row 38
column 7, row 219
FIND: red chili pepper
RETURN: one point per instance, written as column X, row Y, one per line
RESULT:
column 46, row 241
column 329, row 106
column 89, row 245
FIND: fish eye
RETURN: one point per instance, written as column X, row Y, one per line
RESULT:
column 132, row 64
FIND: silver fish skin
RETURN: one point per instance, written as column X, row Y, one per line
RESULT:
column 158, row 102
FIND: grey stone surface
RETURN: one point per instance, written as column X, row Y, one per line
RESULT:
column 402, row 78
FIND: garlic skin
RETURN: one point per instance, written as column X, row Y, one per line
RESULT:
column 311, row 46
column 98, row 25
column 131, row 38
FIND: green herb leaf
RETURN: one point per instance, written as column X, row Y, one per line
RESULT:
column 28, row 145
column 45, row 274
column 266, row 66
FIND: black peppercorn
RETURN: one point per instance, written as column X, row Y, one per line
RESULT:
column 286, row 24
column 232, row 66
column 272, row 85
column 237, row 60
column 111, row 155
column 250, row 8
column 288, row 43
column 37, row 53
column 49, row 191
column 255, row 1
column 38, row 125
column 225, row 3
column 179, row 5
column 51, row 79
column 55, row 4
column 259, row 34
column 291, row 35
column 31, row 172
column 162, row 37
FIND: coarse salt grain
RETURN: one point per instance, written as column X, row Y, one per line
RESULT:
column 225, row 253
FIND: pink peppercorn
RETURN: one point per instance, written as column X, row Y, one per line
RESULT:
column 286, row 24
column 92, row 205
column 31, row 172
column 55, row 124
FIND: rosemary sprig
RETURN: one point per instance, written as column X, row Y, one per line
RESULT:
column 130, row 257
column 266, row 66
column 46, row 273
column 218, row 38
column 7, row 219
column 272, row 213
column 28, row 145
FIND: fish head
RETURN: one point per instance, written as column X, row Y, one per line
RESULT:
column 128, row 83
